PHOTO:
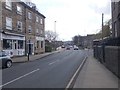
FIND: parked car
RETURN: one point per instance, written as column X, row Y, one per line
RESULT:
column 5, row 61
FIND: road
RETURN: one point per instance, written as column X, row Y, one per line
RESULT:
column 54, row 71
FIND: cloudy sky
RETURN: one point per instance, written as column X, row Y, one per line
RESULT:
column 74, row 17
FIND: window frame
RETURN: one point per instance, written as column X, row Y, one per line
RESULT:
column 115, row 28
column 29, row 15
column 19, row 11
column 37, row 19
column 42, row 46
column 29, row 29
column 19, row 22
column 7, row 44
column 41, row 21
column 8, row 4
column 8, row 23
column 37, row 31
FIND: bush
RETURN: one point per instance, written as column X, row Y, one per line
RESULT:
column 48, row 49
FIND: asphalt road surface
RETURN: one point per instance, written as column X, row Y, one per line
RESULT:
column 54, row 71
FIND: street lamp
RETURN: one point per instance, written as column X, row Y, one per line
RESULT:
column 55, row 26
column 55, row 34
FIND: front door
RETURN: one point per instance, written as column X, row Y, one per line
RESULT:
column 31, row 49
column 15, row 47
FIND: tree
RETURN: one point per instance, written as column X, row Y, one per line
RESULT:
column 51, row 36
column 106, row 31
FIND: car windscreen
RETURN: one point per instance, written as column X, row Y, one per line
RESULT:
column 2, row 54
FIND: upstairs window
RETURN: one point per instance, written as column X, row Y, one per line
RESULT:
column 19, row 26
column 8, row 4
column 29, row 29
column 41, row 21
column 41, row 31
column 19, row 10
column 37, row 31
column 29, row 15
column 37, row 19
column 8, row 23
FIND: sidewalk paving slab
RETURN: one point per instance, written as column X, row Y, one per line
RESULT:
column 95, row 75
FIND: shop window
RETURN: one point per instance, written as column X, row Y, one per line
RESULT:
column 20, row 44
column 41, row 44
column 7, row 44
column 37, row 44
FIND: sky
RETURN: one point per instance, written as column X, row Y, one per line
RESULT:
column 74, row 17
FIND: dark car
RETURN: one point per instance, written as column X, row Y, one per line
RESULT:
column 5, row 61
column 68, row 48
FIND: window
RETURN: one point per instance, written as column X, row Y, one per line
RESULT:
column 8, row 23
column 7, row 44
column 41, row 44
column 19, row 26
column 37, row 44
column 37, row 31
column 29, row 15
column 8, row 4
column 20, row 44
column 41, row 21
column 29, row 29
column 41, row 31
column 115, row 25
column 19, row 9
column 37, row 19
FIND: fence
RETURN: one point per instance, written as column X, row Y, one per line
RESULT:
column 107, row 51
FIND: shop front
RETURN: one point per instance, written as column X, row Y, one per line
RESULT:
column 13, row 45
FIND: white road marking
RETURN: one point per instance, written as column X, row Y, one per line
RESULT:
column 53, row 62
column 70, row 82
column 19, row 77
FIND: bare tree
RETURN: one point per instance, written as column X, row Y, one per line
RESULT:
column 50, row 36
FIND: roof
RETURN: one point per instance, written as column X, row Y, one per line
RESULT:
column 32, row 9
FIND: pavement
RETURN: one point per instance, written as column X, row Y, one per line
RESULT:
column 33, row 57
column 95, row 75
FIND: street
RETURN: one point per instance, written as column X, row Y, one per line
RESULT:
column 54, row 71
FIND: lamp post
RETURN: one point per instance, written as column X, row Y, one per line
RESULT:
column 102, row 24
column 55, row 34
column 28, row 50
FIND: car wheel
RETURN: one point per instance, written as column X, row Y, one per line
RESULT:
column 8, row 64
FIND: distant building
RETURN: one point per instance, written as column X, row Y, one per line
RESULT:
column 116, row 19
column 22, row 29
column 88, row 41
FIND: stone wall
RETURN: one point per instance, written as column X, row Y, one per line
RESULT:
column 112, row 59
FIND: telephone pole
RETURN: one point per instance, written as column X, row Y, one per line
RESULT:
column 102, row 24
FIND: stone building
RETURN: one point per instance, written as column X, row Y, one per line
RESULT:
column 22, row 29
column 116, row 19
